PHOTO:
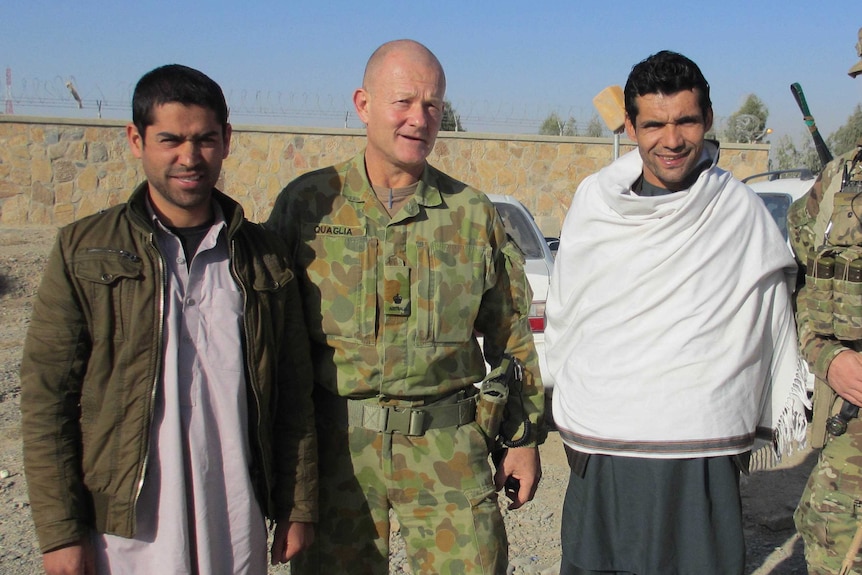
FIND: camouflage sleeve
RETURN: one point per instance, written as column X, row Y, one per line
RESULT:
column 504, row 320
column 819, row 350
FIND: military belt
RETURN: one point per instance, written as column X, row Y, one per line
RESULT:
column 412, row 421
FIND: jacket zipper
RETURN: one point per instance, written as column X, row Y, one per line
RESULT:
column 250, row 374
column 157, row 374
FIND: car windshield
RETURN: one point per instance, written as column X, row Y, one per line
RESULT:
column 777, row 204
column 520, row 231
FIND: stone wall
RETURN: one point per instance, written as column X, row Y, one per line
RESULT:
column 54, row 171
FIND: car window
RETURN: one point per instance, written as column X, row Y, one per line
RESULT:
column 777, row 204
column 521, row 230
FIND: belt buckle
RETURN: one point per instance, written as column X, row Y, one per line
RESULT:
column 404, row 421
column 416, row 425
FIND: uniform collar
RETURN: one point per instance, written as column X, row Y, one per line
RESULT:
column 357, row 187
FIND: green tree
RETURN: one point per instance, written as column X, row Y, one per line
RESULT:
column 596, row 128
column 451, row 118
column 555, row 126
column 845, row 138
column 748, row 124
column 788, row 156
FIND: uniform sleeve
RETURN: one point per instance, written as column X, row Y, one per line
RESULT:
column 503, row 319
column 56, row 350
column 819, row 350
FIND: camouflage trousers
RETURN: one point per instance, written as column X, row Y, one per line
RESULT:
column 441, row 490
column 830, row 510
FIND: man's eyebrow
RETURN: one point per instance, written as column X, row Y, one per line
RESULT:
column 172, row 136
column 652, row 123
column 682, row 120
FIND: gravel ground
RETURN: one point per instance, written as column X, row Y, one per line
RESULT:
column 768, row 497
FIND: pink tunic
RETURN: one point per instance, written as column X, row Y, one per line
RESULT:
column 197, row 513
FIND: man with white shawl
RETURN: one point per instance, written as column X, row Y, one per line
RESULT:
column 671, row 340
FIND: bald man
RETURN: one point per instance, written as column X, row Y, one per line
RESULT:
column 400, row 266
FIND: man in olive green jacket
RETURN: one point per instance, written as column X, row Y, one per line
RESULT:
column 166, row 377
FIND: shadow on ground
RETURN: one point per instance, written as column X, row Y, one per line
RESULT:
column 769, row 499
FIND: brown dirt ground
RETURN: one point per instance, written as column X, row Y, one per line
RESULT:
column 769, row 497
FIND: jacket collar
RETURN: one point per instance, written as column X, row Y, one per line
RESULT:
column 233, row 213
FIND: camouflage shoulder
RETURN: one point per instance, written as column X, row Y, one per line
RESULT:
column 813, row 198
column 827, row 183
column 329, row 177
column 447, row 185
column 800, row 227
column 799, row 214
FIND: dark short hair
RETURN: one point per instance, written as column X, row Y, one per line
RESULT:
column 665, row 73
column 180, row 84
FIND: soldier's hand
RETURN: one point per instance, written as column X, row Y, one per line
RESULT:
column 519, row 472
column 845, row 376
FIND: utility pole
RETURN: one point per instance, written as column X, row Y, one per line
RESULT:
column 9, row 109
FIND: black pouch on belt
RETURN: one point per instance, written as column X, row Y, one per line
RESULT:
column 493, row 395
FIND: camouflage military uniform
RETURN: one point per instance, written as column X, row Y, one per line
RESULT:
column 393, row 305
column 826, row 234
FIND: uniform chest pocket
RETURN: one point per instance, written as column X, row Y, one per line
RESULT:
column 452, row 281
column 340, row 286
column 846, row 223
column 109, row 279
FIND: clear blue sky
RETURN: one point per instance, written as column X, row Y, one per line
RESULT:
column 505, row 61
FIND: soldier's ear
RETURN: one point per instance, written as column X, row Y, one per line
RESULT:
column 361, row 100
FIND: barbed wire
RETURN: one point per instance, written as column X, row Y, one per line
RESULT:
column 37, row 96
column 54, row 97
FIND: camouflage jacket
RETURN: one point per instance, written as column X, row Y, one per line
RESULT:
column 807, row 228
column 824, row 229
column 394, row 304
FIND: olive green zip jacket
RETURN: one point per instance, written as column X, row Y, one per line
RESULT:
column 92, row 364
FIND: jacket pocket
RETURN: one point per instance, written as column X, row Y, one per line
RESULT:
column 452, row 280
column 271, row 274
column 340, row 286
column 109, row 278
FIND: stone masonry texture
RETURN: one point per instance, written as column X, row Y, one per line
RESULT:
column 54, row 171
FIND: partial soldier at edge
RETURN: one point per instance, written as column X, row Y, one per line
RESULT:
column 826, row 234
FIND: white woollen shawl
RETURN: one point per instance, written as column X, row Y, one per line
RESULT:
column 669, row 329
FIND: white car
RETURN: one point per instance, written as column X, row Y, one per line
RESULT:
column 523, row 231
column 778, row 191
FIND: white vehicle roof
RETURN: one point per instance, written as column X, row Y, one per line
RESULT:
column 774, row 182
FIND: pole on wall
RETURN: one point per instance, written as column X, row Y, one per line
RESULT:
column 9, row 109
